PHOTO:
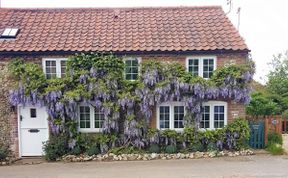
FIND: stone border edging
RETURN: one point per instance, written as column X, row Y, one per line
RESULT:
column 8, row 161
column 154, row 156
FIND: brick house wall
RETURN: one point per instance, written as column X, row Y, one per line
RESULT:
column 8, row 117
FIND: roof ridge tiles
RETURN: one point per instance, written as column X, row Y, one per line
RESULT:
column 112, row 8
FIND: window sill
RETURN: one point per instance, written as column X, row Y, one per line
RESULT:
column 90, row 130
column 177, row 130
column 202, row 129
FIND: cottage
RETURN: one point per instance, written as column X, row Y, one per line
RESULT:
column 200, row 38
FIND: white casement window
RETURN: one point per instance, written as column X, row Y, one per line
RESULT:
column 170, row 115
column 54, row 68
column 90, row 119
column 202, row 66
column 132, row 66
column 214, row 115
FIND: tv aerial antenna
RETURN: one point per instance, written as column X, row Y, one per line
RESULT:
column 229, row 3
column 238, row 12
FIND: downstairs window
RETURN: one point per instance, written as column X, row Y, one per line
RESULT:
column 170, row 115
column 90, row 119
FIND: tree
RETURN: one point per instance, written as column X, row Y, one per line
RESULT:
column 261, row 105
column 277, row 85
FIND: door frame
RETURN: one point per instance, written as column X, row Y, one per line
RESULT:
column 19, row 128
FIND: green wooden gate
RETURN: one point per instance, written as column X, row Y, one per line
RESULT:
column 256, row 140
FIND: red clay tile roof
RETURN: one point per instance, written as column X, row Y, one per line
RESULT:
column 120, row 29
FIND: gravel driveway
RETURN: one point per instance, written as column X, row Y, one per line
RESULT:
column 247, row 166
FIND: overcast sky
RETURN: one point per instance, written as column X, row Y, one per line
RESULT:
column 263, row 23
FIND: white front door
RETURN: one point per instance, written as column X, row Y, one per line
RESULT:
column 33, row 127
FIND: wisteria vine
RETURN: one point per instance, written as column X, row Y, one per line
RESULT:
column 98, row 80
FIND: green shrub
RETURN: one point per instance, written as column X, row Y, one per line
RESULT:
column 189, row 134
column 274, row 138
column 4, row 152
column 170, row 149
column 93, row 150
column 154, row 148
column 76, row 150
column 239, row 127
column 196, row 146
column 212, row 147
column 275, row 149
column 55, row 147
column 85, row 141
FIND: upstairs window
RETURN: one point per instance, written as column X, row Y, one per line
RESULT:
column 208, row 68
column 10, row 33
column 54, row 68
column 201, row 66
column 132, row 68
column 63, row 68
column 193, row 66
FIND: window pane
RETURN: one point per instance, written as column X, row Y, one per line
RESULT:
column 134, row 70
column 82, row 124
column 208, row 68
column 53, row 70
column 134, row 76
column 131, row 69
column 205, row 75
column 211, row 61
column 178, row 116
column 99, row 118
column 6, row 32
column 193, row 66
column 50, row 69
column 50, row 76
column 33, row 113
column 13, row 32
column 205, row 120
column 63, row 68
column 128, row 62
column 84, row 117
column 128, row 77
column 164, row 117
column 219, row 115
column 134, row 62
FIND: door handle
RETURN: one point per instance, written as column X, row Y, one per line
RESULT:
column 21, row 117
column 33, row 130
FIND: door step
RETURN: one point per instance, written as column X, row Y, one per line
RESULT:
column 30, row 160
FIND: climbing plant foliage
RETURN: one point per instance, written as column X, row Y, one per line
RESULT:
column 98, row 80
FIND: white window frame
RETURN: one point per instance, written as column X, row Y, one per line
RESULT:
column 171, row 105
column 92, row 128
column 200, row 63
column 211, row 104
column 10, row 33
column 139, row 59
column 58, row 65
column 171, row 114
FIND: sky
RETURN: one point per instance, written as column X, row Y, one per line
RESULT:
column 263, row 23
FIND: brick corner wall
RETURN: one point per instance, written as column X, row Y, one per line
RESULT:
column 8, row 115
